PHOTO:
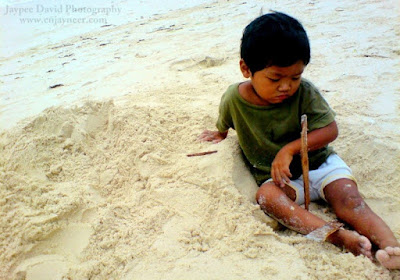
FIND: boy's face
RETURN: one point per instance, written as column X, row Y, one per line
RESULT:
column 274, row 84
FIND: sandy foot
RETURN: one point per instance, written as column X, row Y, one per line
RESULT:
column 389, row 257
column 353, row 242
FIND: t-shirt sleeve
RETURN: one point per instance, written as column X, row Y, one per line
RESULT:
column 224, row 118
column 318, row 112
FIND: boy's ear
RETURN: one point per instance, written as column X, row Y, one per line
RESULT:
column 245, row 69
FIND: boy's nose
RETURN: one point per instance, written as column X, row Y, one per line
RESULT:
column 284, row 87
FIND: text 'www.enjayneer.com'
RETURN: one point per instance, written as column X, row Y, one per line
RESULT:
column 62, row 20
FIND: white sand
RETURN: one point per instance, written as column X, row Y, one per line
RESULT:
column 104, row 190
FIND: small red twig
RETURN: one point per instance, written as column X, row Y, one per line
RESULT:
column 201, row 154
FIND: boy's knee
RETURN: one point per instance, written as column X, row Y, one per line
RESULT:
column 351, row 205
column 349, row 201
column 343, row 195
column 269, row 192
column 265, row 193
column 353, row 202
column 342, row 191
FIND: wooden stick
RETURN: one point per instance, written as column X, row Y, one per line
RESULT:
column 304, row 160
column 201, row 154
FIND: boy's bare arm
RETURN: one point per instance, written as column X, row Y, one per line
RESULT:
column 213, row 136
column 316, row 139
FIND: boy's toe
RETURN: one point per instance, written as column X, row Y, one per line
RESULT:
column 382, row 256
column 365, row 243
column 365, row 247
column 389, row 257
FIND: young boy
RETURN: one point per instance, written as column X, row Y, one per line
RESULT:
column 266, row 111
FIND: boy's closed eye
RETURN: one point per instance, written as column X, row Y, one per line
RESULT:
column 278, row 79
column 274, row 80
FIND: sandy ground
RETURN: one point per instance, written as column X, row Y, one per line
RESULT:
column 102, row 188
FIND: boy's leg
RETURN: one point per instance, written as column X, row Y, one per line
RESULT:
column 349, row 206
column 278, row 203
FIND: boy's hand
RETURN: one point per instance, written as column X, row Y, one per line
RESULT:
column 280, row 171
column 212, row 136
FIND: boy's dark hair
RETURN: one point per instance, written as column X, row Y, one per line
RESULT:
column 274, row 39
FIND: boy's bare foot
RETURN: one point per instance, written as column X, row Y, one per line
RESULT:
column 389, row 257
column 352, row 241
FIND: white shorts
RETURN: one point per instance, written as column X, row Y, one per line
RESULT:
column 332, row 169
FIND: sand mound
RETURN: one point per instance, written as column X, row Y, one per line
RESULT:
column 107, row 191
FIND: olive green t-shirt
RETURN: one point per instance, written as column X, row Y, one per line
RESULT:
column 263, row 130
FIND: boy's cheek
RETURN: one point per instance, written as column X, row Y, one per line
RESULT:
column 296, row 87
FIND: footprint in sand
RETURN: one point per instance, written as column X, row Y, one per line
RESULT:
column 42, row 267
column 63, row 248
column 51, row 258
column 188, row 64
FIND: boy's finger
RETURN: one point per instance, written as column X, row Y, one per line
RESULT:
column 285, row 177
column 285, row 174
column 285, row 180
column 273, row 176
column 278, row 178
column 282, row 182
column 201, row 138
column 205, row 137
column 204, row 133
